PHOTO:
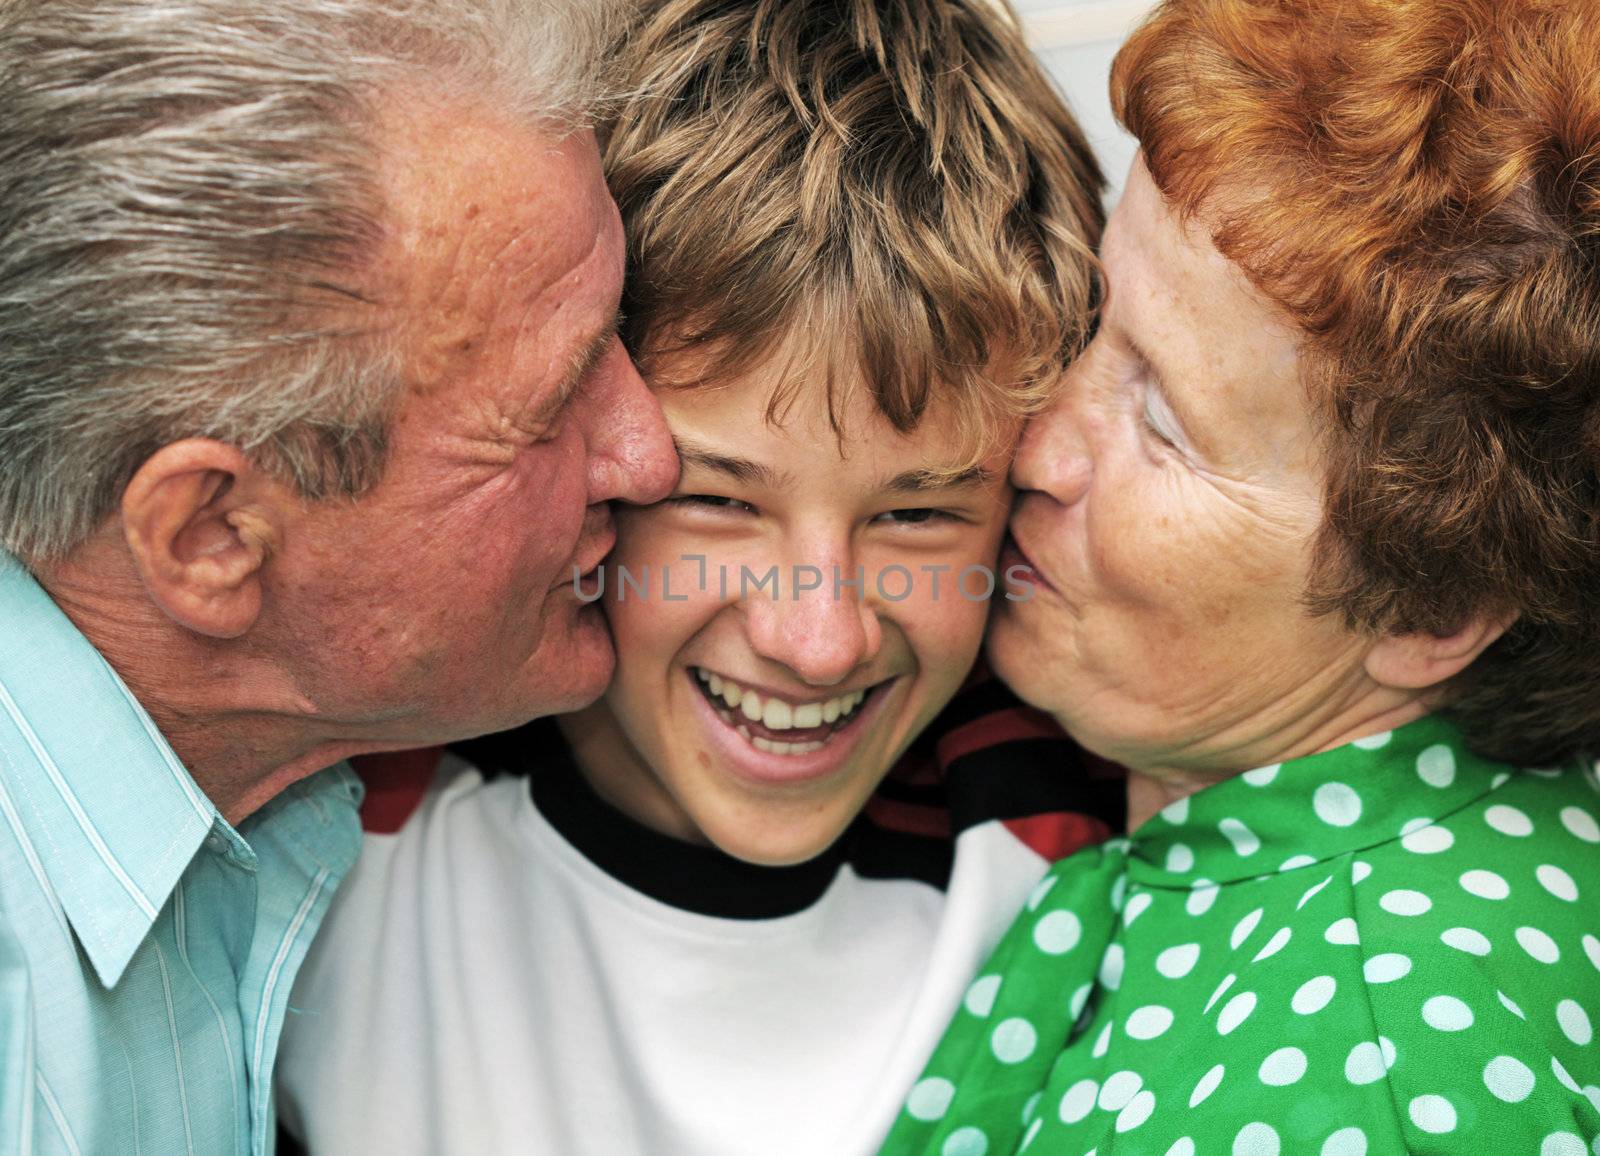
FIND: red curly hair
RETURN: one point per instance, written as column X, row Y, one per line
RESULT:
column 1417, row 184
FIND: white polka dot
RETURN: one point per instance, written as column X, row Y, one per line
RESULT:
column 968, row 1141
column 1242, row 929
column 1436, row 766
column 1137, row 905
column 1079, row 998
column 1262, row 776
column 1591, row 948
column 1386, row 1047
column 1433, row 1114
column 1033, row 1131
column 1343, row 932
column 1279, row 940
column 1556, row 881
column 1256, row 1140
column 1580, row 823
column 1537, row 944
column 1201, row 897
column 1359, row 870
column 1386, row 968
column 1564, row 1077
column 1032, row 1106
column 1244, row 840
column 1013, row 1040
column 1592, row 1094
column 1119, row 1088
column 1235, row 1011
column 1364, row 1064
column 1562, row 1144
column 1177, row 812
column 1284, row 1066
column 1374, row 742
column 1336, row 804
column 1428, row 840
column 1180, row 859
column 1137, row 1111
column 1208, row 1084
column 1119, row 891
column 1574, row 1022
column 981, row 995
column 1508, row 820
column 1177, row 962
column 1446, row 1013
column 1295, row 862
column 1505, row 1001
column 1227, row 982
column 1040, row 890
column 1057, row 933
column 1509, row 1079
column 1078, row 1101
column 1311, row 891
column 1102, row 1041
column 1485, row 885
column 1111, row 966
column 1467, row 940
column 930, row 1099
column 1182, row 1147
column 1346, row 1142
column 1314, row 995
column 1403, row 902
column 1148, row 1022
column 1501, row 778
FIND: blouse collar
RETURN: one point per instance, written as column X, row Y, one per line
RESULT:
column 1394, row 785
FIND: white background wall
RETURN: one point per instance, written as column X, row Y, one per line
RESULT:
column 1076, row 39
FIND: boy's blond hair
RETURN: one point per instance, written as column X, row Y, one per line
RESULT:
column 891, row 192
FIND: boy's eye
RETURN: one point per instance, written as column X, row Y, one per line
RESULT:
column 711, row 502
column 914, row 516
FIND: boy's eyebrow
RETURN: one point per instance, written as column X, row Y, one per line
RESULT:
column 921, row 481
column 691, row 453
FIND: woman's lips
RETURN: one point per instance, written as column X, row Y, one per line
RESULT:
column 1018, row 566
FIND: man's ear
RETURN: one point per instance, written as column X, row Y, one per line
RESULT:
column 1420, row 661
column 200, row 522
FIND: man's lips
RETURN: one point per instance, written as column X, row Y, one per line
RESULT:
column 598, row 539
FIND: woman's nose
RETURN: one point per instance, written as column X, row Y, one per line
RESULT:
column 1055, row 456
column 818, row 622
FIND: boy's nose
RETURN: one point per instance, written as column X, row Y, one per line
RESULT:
column 821, row 634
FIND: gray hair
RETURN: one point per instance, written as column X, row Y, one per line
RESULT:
column 186, row 188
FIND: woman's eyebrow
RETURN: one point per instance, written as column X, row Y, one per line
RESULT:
column 691, row 453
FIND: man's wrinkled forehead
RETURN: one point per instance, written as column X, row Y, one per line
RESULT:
column 493, row 229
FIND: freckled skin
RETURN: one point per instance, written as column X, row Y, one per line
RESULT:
column 1172, row 637
column 445, row 591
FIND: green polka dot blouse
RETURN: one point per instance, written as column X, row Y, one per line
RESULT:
column 1389, row 947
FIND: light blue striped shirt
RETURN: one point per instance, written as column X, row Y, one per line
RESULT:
column 147, row 948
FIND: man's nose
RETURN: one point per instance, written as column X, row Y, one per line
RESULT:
column 821, row 634
column 631, row 455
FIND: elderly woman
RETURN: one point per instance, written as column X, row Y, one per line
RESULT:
column 1316, row 523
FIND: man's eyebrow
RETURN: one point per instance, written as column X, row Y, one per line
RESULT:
column 922, row 481
column 691, row 453
column 579, row 366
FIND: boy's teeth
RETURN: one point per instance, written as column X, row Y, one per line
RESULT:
column 775, row 713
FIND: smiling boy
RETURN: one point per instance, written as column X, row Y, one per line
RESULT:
column 694, row 919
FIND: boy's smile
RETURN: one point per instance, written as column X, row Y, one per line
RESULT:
column 757, row 718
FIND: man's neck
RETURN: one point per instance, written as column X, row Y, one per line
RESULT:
column 234, row 720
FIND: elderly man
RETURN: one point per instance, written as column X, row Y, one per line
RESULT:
column 311, row 403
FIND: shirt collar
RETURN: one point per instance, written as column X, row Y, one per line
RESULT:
column 1276, row 818
column 111, row 814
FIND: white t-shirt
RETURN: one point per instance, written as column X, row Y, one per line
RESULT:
column 521, row 968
